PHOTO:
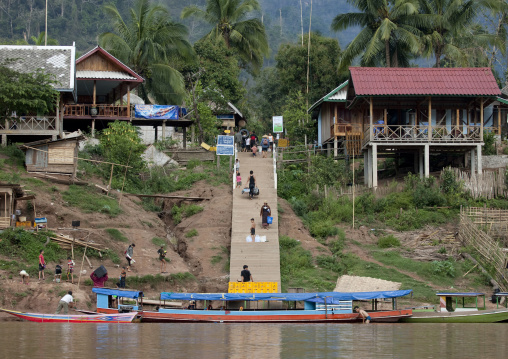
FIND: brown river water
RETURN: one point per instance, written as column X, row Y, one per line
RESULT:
column 153, row 341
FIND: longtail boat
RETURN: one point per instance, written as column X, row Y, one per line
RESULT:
column 65, row 318
column 323, row 307
column 460, row 313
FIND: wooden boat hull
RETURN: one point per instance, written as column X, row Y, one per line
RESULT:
column 64, row 318
column 480, row 316
column 226, row 316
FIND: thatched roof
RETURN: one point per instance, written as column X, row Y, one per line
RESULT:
column 348, row 284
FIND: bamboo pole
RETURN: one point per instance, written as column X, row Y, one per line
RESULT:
column 82, row 261
column 110, row 179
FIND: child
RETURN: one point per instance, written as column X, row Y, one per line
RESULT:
column 24, row 275
column 252, row 227
column 238, row 179
column 58, row 273
column 254, row 150
column 247, row 144
column 365, row 316
column 237, row 165
column 70, row 270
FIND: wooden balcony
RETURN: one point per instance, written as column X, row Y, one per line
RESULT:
column 341, row 129
column 97, row 111
column 29, row 125
column 420, row 134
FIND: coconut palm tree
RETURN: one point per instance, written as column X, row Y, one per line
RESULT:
column 451, row 33
column 233, row 22
column 390, row 32
column 150, row 43
column 39, row 40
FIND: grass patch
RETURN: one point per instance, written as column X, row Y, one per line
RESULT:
column 192, row 233
column 154, row 280
column 116, row 235
column 388, row 242
column 159, row 242
column 216, row 259
column 18, row 243
column 89, row 201
column 184, row 211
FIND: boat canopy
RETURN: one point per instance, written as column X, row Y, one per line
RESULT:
column 134, row 294
column 309, row 297
column 466, row 294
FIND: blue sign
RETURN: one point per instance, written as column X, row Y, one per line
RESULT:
column 157, row 112
column 225, row 146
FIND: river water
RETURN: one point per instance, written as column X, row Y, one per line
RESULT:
column 153, row 341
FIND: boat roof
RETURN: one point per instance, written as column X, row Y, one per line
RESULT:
column 310, row 297
column 445, row 294
column 119, row 292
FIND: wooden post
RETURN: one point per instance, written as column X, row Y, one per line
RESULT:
column 353, row 191
column 163, row 130
column 124, row 176
column 128, row 100
column 481, row 119
column 371, row 118
column 429, row 126
column 458, row 111
column 499, row 120
column 94, row 91
column 57, row 120
column 110, row 179
column 82, row 261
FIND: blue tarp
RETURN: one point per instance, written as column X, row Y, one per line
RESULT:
column 285, row 296
column 119, row 293
column 157, row 112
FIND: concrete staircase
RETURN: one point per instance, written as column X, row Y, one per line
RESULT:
column 262, row 258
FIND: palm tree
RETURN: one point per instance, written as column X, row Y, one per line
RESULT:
column 233, row 22
column 39, row 40
column 389, row 34
column 149, row 43
column 451, row 31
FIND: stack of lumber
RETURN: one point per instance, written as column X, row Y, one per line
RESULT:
column 66, row 242
column 438, row 237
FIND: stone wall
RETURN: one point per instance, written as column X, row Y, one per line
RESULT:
column 499, row 161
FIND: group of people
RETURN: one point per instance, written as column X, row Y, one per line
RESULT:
column 250, row 143
column 25, row 277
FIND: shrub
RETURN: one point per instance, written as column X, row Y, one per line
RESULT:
column 322, row 229
column 443, row 268
column 178, row 213
column 388, row 242
column 192, row 233
column 489, row 140
column 159, row 242
column 19, row 243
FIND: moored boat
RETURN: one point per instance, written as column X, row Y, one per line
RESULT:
column 324, row 307
column 65, row 318
column 459, row 314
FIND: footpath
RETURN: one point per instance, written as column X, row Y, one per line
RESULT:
column 263, row 258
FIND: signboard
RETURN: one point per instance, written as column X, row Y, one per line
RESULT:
column 277, row 124
column 225, row 146
column 283, row 142
column 156, row 112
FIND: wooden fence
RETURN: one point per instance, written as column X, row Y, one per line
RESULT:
column 490, row 184
column 491, row 253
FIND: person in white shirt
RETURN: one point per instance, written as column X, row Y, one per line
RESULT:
column 65, row 302
column 247, row 144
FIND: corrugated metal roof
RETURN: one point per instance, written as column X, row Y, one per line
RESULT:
column 338, row 94
column 379, row 81
column 112, row 75
column 55, row 60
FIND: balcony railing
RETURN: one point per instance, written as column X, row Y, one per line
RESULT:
column 420, row 134
column 340, row 129
column 28, row 124
column 88, row 110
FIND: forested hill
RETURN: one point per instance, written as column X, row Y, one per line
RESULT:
column 81, row 21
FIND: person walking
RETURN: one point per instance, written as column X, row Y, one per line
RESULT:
column 65, row 302
column 264, row 214
column 264, row 146
column 238, row 140
column 246, row 275
column 252, row 184
column 70, row 270
column 162, row 258
column 128, row 255
column 42, row 264
column 253, row 138
column 123, row 276
column 270, row 140
column 247, row 144
column 238, row 179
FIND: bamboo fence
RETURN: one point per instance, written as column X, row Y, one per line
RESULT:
column 491, row 253
column 490, row 184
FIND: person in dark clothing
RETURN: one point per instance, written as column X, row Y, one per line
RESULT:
column 253, row 139
column 246, row 275
column 264, row 214
column 252, row 184
column 123, row 276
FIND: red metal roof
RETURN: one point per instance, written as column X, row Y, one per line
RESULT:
column 396, row 81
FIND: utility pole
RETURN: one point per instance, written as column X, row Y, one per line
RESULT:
column 301, row 19
column 46, row 27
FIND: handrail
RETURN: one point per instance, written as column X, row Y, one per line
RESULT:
column 420, row 133
column 274, row 154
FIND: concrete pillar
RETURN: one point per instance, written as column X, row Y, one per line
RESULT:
column 374, row 165
column 328, row 150
column 420, row 162
column 427, row 161
column 93, row 127
column 4, row 140
column 335, row 147
column 479, row 159
column 185, row 137
column 366, row 167
column 369, row 155
column 415, row 162
column 164, row 130
column 473, row 162
column 156, row 133
column 53, row 138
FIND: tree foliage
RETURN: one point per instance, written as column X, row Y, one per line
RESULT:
column 296, row 119
column 150, row 42
column 233, row 22
column 26, row 93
